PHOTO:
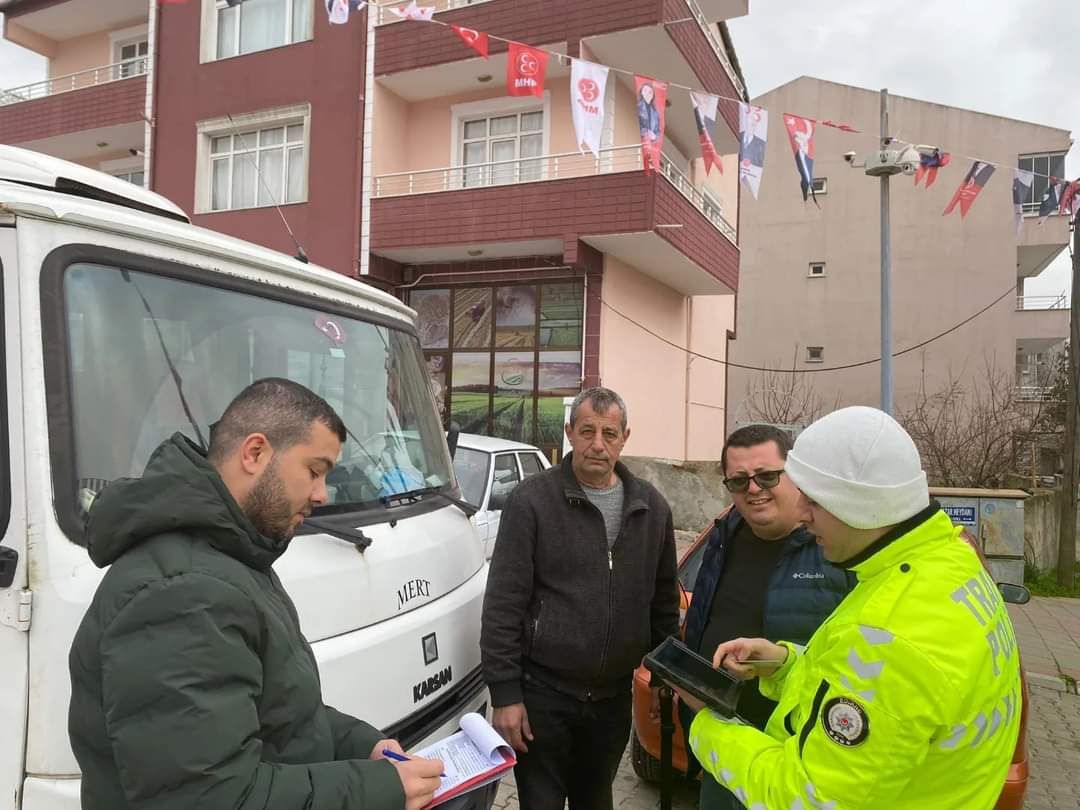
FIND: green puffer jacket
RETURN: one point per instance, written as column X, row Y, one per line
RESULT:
column 191, row 683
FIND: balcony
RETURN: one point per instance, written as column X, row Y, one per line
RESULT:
column 93, row 77
column 661, row 224
column 1038, row 303
column 384, row 14
column 90, row 114
column 673, row 40
column 1038, row 245
column 47, row 27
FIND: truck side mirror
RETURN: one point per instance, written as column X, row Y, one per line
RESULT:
column 452, row 437
column 1014, row 594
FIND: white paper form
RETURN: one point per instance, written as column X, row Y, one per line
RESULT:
column 470, row 755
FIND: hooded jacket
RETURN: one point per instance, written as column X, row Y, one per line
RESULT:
column 192, row 685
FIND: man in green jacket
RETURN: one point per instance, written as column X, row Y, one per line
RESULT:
column 192, row 685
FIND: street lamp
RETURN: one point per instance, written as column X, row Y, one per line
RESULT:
column 884, row 163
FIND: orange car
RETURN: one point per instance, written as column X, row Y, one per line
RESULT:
column 645, row 741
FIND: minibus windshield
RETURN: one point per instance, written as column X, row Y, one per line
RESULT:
column 135, row 340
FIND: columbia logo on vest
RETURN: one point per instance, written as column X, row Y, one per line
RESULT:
column 808, row 575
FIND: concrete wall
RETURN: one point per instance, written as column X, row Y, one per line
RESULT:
column 1042, row 521
column 944, row 269
column 694, row 489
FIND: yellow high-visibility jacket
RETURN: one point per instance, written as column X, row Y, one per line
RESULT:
column 908, row 696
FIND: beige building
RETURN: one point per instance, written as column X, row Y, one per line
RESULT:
column 809, row 287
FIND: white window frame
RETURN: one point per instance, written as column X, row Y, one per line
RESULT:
column 809, row 354
column 494, row 107
column 124, row 166
column 243, row 122
column 1031, row 209
column 209, row 30
column 810, row 270
column 129, row 36
column 824, row 185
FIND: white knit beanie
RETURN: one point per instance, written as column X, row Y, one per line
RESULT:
column 861, row 466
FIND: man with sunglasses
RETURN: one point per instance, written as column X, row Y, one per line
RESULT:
column 910, row 696
column 761, row 573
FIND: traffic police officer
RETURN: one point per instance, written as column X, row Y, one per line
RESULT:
column 909, row 695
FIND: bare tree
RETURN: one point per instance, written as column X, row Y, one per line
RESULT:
column 784, row 398
column 969, row 433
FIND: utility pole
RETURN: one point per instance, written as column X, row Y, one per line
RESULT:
column 1066, row 561
column 886, row 272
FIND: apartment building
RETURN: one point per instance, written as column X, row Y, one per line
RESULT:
column 398, row 158
column 809, row 286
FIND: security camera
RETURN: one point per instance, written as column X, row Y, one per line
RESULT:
column 849, row 157
column 909, row 160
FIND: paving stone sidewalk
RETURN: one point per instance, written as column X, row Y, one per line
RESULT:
column 1048, row 630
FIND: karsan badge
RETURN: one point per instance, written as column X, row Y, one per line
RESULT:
column 845, row 722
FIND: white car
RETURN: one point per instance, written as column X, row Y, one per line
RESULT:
column 487, row 471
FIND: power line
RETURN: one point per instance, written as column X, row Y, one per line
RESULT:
column 731, row 364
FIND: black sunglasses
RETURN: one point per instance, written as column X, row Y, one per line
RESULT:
column 766, row 479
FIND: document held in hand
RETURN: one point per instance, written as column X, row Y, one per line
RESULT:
column 473, row 757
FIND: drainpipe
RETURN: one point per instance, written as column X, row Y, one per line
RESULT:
column 153, row 38
column 369, row 137
column 689, row 360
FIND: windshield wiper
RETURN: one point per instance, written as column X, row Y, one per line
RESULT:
column 416, row 495
column 346, row 533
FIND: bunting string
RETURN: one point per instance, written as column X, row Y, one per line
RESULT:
column 801, row 130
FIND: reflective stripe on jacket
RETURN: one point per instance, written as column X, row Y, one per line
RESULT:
column 909, row 695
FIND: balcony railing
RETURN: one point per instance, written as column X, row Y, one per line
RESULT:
column 1030, row 302
column 713, row 35
column 386, row 16
column 549, row 167
column 75, row 81
column 1034, row 393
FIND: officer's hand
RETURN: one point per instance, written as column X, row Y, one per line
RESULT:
column 691, row 702
column 420, row 779
column 736, row 657
column 512, row 723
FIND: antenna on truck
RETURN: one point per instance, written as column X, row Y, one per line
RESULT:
column 300, row 254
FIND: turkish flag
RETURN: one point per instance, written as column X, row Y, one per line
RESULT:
column 477, row 40
column 525, row 70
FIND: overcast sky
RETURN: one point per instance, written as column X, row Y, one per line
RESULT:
column 1015, row 58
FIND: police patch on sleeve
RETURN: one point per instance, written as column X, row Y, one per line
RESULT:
column 845, row 722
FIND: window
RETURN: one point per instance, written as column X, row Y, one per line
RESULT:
column 530, row 464
column 219, row 340
column 253, row 160
column 815, row 354
column 821, row 185
column 502, row 140
column 1043, row 166
column 817, row 270
column 135, row 177
column 255, row 25
column 131, row 58
column 505, row 476
column 502, row 357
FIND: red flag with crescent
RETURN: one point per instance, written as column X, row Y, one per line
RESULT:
column 477, row 40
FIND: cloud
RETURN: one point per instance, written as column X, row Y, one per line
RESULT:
column 1014, row 58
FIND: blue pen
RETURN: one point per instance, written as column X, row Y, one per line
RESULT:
column 394, row 755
